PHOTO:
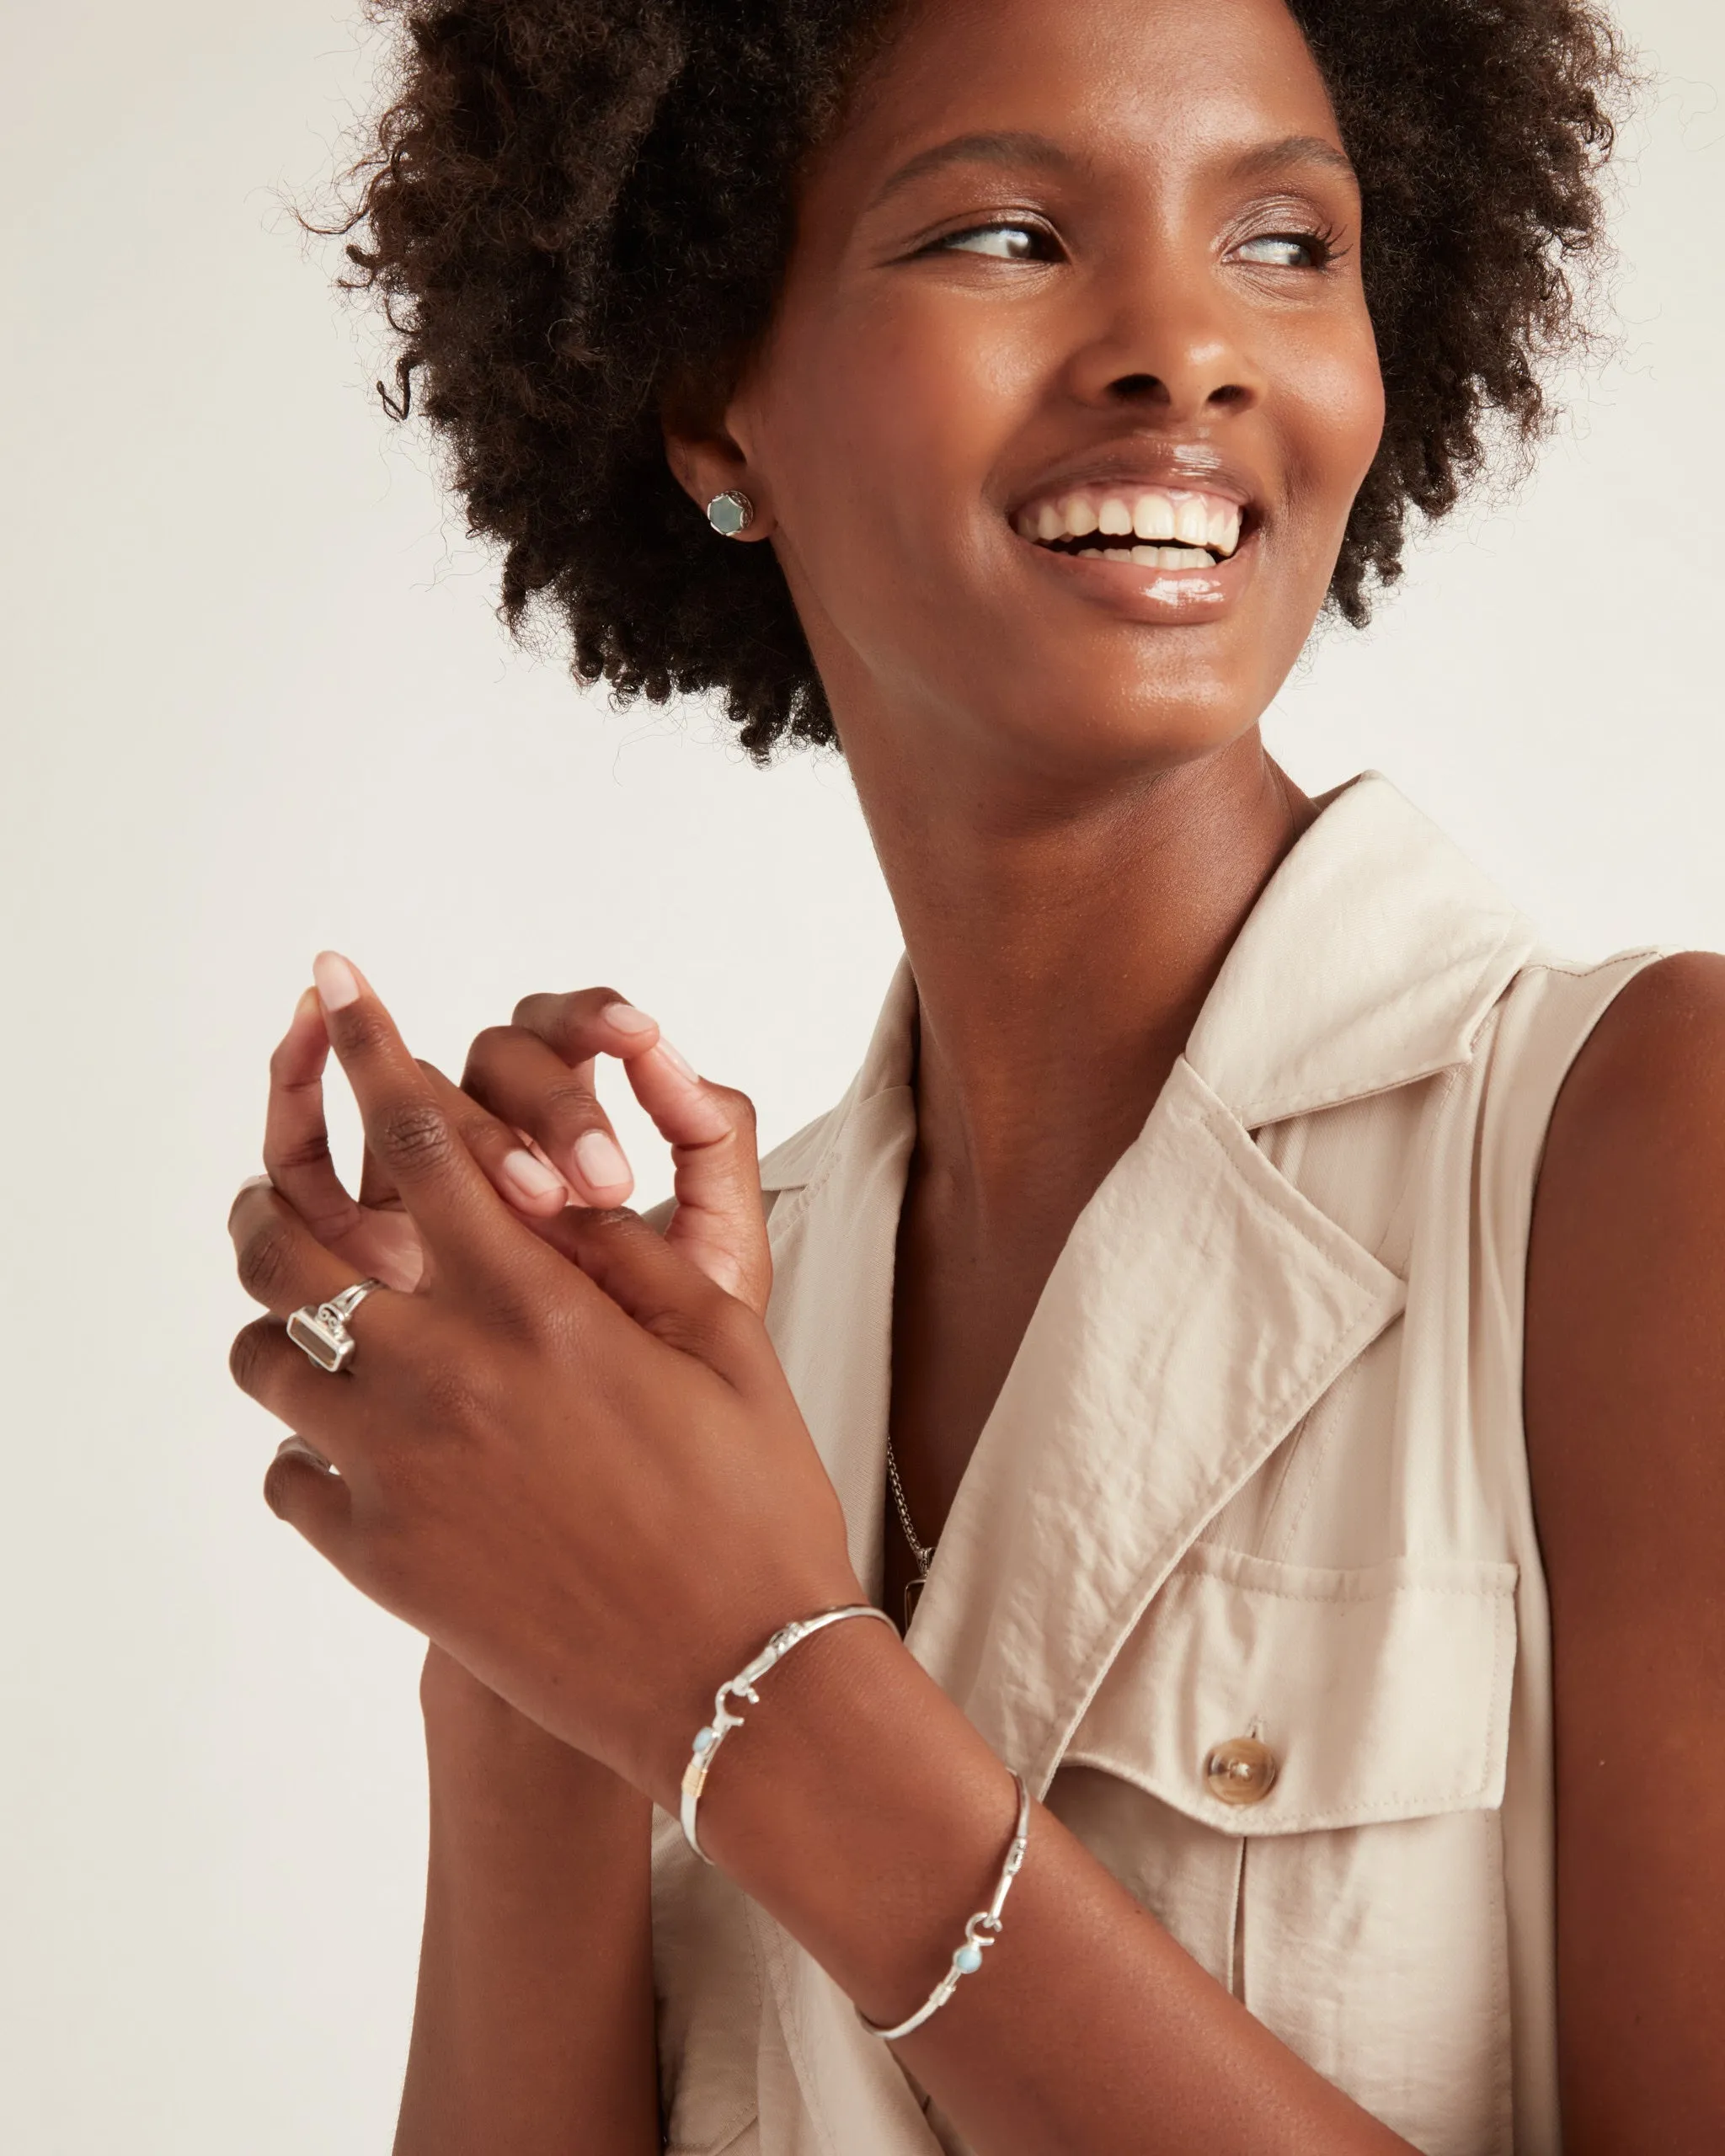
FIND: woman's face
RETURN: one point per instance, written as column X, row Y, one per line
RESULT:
column 1071, row 383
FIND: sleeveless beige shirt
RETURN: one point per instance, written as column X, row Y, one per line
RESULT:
column 1258, row 1471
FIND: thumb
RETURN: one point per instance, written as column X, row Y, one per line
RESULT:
column 719, row 1224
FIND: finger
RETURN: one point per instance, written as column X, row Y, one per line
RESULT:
column 376, row 1187
column 518, row 1176
column 657, row 1286
column 300, row 1488
column 324, row 1411
column 586, row 1022
column 281, row 1263
column 719, row 1224
column 527, row 1085
column 547, row 1090
column 296, row 1154
column 408, row 1128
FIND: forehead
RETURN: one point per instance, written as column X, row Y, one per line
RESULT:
column 1184, row 76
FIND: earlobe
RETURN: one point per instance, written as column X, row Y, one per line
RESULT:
column 713, row 474
column 731, row 513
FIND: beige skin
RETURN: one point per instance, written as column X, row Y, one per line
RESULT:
column 1074, row 811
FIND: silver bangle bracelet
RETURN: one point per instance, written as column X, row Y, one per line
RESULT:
column 980, row 1931
column 742, row 1687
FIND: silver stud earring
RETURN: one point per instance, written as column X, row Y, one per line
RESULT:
column 731, row 513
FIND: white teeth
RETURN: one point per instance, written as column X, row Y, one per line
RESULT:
column 1153, row 517
column 1189, row 520
column 1192, row 521
column 1171, row 557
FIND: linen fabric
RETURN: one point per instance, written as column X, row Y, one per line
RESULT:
column 1256, row 1471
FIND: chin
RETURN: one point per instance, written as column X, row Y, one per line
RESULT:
column 1106, row 723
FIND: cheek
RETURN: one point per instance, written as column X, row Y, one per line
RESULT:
column 1335, row 419
column 878, row 426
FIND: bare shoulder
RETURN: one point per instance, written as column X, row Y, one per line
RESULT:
column 1660, row 1046
column 1625, row 1400
column 1626, row 1321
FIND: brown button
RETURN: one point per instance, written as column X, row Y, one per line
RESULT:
column 1241, row 1771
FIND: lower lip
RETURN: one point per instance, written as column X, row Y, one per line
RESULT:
column 1163, row 597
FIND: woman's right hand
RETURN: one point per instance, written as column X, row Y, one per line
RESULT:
column 528, row 1108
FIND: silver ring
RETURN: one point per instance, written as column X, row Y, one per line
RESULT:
column 319, row 1330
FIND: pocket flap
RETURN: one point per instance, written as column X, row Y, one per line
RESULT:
column 1380, row 1693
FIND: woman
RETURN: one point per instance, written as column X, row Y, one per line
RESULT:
column 1042, row 367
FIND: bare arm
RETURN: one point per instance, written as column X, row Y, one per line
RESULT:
column 1626, row 1420
column 533, row 2026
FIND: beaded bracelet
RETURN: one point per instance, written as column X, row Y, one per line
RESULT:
column 980, row 1931
column 708, row 1739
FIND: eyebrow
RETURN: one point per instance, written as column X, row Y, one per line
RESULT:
column 1004, row 149
column 1037, row 150
column 1296, row 150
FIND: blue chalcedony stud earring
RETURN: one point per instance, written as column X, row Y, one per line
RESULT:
column 730, row 512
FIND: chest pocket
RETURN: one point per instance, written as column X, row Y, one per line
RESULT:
column 1299, row 1770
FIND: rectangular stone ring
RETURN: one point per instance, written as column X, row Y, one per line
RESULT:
column 319, row 1330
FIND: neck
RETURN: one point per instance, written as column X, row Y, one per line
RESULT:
column 1061, row 954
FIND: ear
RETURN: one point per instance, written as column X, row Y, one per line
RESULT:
column 706, row 464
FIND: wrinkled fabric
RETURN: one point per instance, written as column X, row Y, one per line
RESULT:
column 1258, row 1470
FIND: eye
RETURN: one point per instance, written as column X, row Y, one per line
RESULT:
column 1287, row 250
column 1005, row 242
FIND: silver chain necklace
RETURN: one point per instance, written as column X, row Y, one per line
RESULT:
column 923, row 1552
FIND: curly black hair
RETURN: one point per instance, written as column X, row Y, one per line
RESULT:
column 574, row 210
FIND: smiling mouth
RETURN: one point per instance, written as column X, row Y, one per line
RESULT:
column 1152, row 527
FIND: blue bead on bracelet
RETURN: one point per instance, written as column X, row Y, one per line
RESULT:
column 981, row 1930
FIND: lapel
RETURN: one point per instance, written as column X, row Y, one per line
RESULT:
column 1200, row 1307
column 834, row 1231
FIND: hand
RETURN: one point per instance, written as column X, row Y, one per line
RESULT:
column 578, row 1468
column 532, row 1121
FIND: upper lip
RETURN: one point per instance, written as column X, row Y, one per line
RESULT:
column 1171, row 466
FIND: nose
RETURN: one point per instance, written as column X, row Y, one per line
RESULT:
column 1168, row 348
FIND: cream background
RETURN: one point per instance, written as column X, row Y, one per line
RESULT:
column 251, row 689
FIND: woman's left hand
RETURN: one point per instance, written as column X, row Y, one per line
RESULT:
column 569, row 1457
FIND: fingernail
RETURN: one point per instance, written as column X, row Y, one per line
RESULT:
column 338, row 984
column 625, row 1018
column 601, row 1163
column 531, row 1177
column 308, row 1004
column 257, row 1182
column 680, row 1064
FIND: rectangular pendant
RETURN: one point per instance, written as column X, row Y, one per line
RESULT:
column 913, row 1595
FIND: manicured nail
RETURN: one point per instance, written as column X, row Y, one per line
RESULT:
column 530, row 1178
column 602, row 1166
column 680, row 1064
column 306, row 1007
column 256, row 1182
column 338, row 984
column 625, row 1018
